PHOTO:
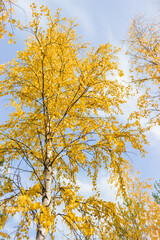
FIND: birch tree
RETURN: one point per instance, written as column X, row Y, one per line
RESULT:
column 66, row 121
column 144, row 49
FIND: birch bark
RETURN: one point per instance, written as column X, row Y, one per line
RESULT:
column 46, row 191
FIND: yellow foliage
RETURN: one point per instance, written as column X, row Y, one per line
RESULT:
column 65, row 120
column 144, row 47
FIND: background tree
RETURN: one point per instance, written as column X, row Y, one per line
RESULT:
column 3, row 215
column 157, row 194
column 66, row 122
column 144, row 48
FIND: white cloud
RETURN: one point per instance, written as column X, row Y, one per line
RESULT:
column 154, row 138
column 155, row 131
column 85, row 187
column 124, row 64
column 106, row 190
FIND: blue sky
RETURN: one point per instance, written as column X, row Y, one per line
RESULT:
column 99, row 22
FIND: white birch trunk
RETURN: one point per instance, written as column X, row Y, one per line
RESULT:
column 46, row 192
column 46, row 200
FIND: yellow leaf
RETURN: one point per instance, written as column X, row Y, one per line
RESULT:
column 10, row 41
column 13, row 21
column 1, row 35
column 10, row 34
